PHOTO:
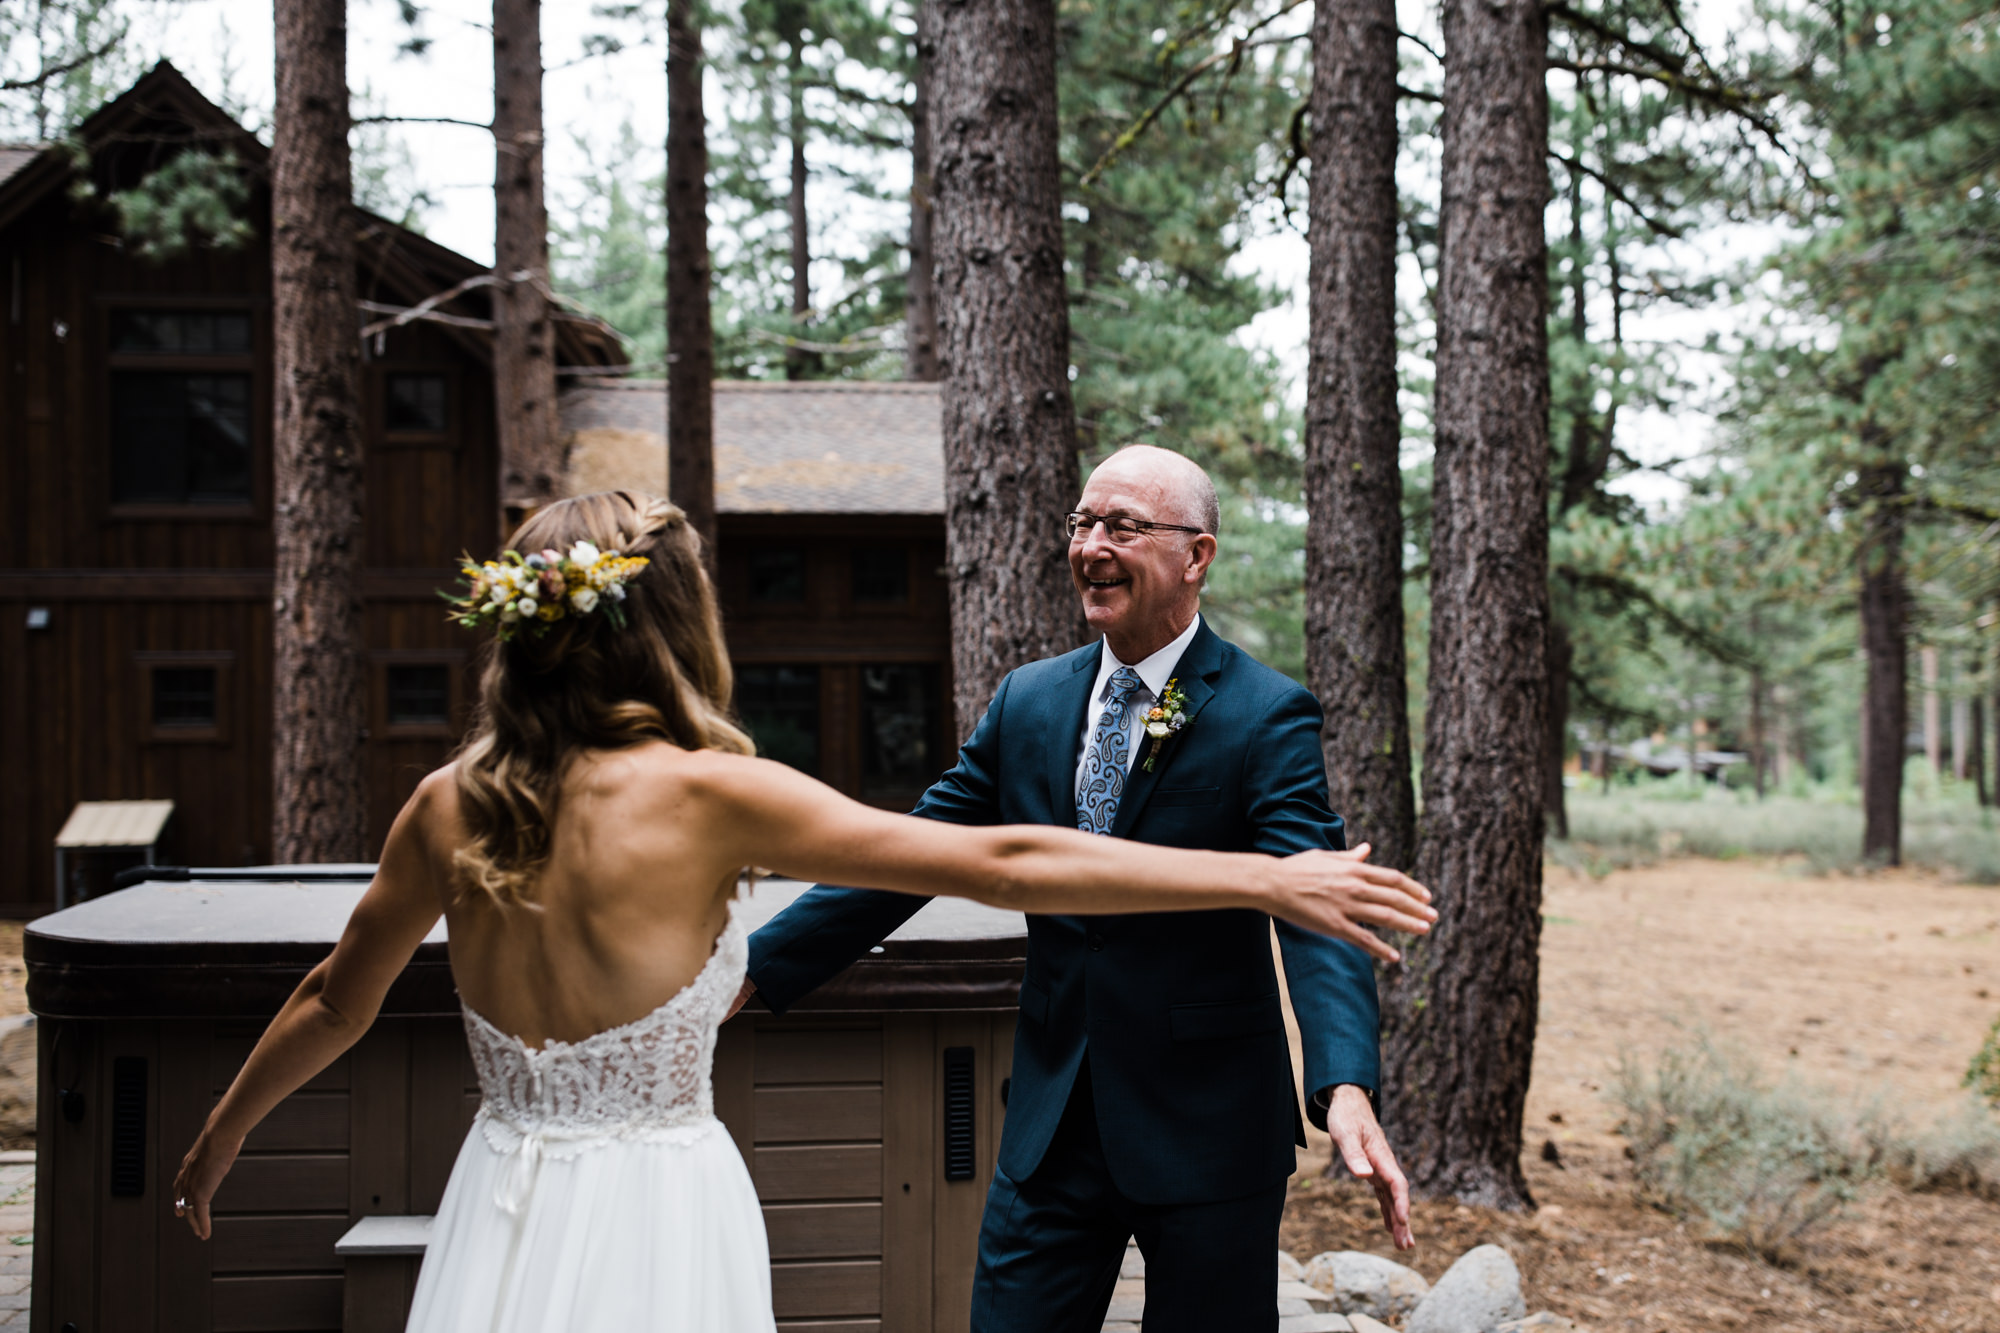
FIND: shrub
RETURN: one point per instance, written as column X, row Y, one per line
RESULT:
column 1983, row 1077
column 1765, row 1163
column 1636, row 826
column 1761, row 1164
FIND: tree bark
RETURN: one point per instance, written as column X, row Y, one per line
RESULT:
column 319, row 655
column 1927, row 658
column 1975, row 762
column 524, row 351
column 799, row 363
column 1459, row 1015
column 1003, row 334
column 1354, row 482
column 690, row 334
column 920, row 357
column 1885, row 646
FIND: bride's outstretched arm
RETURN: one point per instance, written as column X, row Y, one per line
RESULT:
column 327, row 1014
column 767, row 814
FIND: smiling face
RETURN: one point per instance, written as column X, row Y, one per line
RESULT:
column 1140, row 594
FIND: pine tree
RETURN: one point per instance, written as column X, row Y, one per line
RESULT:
column 317, row 686
column 524, row 347
column 690, row 328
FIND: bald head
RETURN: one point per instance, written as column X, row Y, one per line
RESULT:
column 1179, row 478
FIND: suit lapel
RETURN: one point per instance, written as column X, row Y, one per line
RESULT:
column 1066, row 717
column 1196, row 673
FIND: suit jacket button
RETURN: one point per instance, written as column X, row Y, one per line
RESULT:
column 1096, row 942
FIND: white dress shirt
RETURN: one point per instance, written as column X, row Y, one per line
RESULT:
column 1154, row 673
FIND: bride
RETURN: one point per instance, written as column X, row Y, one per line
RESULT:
column 584, row 850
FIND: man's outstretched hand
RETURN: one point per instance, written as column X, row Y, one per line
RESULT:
column 742, row 998
column 1359, row 1140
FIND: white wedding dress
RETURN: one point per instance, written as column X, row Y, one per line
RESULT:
column 597, row 1190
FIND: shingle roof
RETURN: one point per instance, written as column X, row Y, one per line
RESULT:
column 839, row 447
column 14, row 156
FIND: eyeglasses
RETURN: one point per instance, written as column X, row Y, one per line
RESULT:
column 1121, row 530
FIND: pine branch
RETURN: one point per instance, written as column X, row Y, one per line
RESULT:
column 1428, row 49
column 1229, row 55
column 51, row 72
column 421, row 120
column 1616, row 192
column 425, row 308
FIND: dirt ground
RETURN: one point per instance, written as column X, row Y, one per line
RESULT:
column 1876, row 984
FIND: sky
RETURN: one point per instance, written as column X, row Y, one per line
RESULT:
column 224, row 46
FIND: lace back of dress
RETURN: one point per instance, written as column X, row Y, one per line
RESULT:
column 644, row 1079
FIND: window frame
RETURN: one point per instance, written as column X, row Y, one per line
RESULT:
column 376, row 405
column 252, row 363
column 379, row 662
column 859, row 609
column 148, row 662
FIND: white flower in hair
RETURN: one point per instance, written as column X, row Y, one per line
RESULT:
column 583, row 553
column 527, row 606
column 584, row 600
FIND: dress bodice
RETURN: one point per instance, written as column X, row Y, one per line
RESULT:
column 649, row 1078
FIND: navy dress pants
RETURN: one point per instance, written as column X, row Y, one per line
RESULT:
column 1050, row 1246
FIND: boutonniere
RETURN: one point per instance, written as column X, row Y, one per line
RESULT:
column 1165, row 718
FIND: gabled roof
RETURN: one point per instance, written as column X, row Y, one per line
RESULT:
column 813, row 447
column 397, row 263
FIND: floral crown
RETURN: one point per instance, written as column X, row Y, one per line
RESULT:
column 532, row 592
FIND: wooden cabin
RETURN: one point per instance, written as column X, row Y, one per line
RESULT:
column 135, row 475
column 829, row 501
column 135, row 559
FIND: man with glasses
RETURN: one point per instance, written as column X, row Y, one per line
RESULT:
column 1152, row 1091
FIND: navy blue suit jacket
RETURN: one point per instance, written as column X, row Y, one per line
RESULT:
column 1179, row 1010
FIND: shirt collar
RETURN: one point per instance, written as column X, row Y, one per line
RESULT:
column 1155, row 670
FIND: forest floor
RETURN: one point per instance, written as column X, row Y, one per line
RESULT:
column 1880, row 985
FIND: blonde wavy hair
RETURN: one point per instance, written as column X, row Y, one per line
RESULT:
column 586, row 684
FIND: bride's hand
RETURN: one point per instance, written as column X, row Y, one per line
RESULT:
column 1339, row 894
column 201, row 1173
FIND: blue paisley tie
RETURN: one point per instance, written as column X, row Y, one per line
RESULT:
column 1110, row 756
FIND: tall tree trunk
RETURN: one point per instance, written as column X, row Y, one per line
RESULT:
column 318, row 690
column 524, row 344
column 1459, row 1015
column 690, row 334
column 1759, row 751
column 1927, row 659
column 1559, row 653
column 1885, row 644
column 1975, row 762
column 1003, row 336
column 1354, row 484
column 799, row 363
column 920, row 356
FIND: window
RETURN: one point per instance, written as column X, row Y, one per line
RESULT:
column 779, row 706
column 419, row 696
column 179, row 438
column 416, row 404
column 778, row 574
column 184, row 698
column 881, row 575
column 181, row 407
column 901, row 713
column 181, row 332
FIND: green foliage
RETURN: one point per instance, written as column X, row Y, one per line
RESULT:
column 196, row 200
column 59, row 61
column 1643, row 818
column 609, row 252
column 1983, row 1075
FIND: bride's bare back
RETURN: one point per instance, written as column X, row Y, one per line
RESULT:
column 622, row 916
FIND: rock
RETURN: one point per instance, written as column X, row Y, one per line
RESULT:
column 1314, row 1323
column 1479, row 1293
column 1366, row 1283
column 1290, row 1269
column 1540, row 1322
column 1310, row 1298
column 1361, row 1323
